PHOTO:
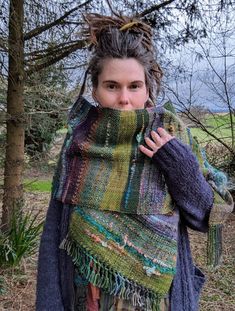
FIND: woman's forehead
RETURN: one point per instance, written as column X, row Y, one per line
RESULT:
column 127, row 68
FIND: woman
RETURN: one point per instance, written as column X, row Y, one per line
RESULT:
column 126, row 188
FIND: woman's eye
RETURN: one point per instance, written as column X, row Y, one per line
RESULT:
column 111, row 86
column 134, row 86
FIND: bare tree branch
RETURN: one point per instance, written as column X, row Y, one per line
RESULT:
column 156, row 7
column 75, row 66
column 111, row 9
column 223, row 81
column 187, row 112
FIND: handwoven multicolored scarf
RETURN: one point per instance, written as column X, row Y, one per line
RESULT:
column 129, row 256
column 102, row 166
column 123, row 230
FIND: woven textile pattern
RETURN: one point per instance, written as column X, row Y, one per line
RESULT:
column 118, row 237
column 103, row 167
column 128, row 256
column 129, row 250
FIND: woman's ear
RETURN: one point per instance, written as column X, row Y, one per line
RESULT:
column 149, row 103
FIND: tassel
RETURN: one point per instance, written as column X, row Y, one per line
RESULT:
column 90, row 269
column 214, row 245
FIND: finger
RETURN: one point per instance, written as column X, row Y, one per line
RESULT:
column 146, row 151
column 151, row 144
column 155, row 136
column 165, row 136
column 162, row 132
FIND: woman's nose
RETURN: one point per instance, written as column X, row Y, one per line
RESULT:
column 123, row 98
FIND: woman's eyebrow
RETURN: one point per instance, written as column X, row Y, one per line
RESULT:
column 110, row 81
column 138, row 81
column 113, row 81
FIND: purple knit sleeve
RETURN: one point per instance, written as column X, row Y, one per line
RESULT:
column 186, row 183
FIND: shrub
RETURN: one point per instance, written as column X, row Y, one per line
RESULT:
column 20, row 240
column 221, row 158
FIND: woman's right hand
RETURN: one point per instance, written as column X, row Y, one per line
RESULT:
column 157, row 140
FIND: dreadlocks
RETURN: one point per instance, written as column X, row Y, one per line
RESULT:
column 121, row 37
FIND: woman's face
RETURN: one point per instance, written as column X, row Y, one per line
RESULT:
column 121, row 85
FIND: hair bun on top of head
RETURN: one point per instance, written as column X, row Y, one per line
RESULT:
column 120, row 37
column 98, row 24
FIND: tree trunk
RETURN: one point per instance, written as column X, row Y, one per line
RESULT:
column 14, row 161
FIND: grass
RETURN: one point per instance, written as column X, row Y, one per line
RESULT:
column 218, row 292
column 218, row 124
column 38, row 185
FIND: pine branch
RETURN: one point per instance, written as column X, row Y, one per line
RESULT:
column 56, row 58
column 50, row 50
column 3, row 45
column 37, row 31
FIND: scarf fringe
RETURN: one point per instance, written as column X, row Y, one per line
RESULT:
column 108, row 280
column 214, row 245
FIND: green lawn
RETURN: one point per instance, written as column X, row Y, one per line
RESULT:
column 37, row 185
column 218, row 124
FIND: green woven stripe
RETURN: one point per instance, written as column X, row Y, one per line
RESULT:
column 100, row 170
column 140, row 235
column 123, row 226
column 132, row 189
column 120, row 169
column 126, row 263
